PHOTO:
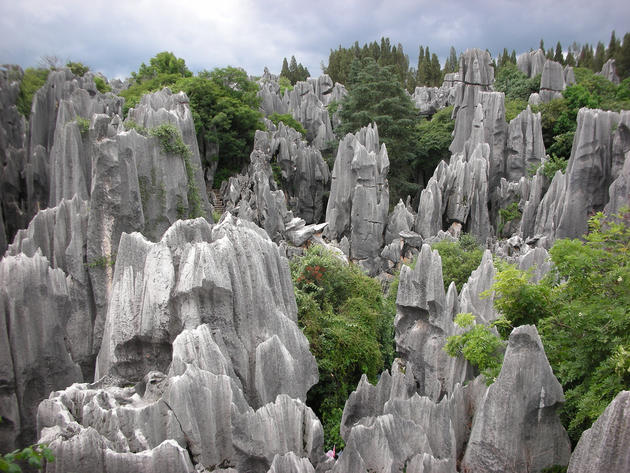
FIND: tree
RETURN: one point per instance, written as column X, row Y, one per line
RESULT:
column 559, row 57
column 451, row 62
column 613, row 47
column 285, row 69
column 376, row 96
column 162, row 63
column 623, row 58
column 600, row 57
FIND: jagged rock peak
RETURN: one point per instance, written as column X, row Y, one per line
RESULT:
column 525, row 147
column 519, row 433
column 475, row 67
column 609, row 71
column 552, row 81
column 359, row 194
column 531, row 64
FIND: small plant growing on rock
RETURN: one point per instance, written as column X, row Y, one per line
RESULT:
column 84, row 126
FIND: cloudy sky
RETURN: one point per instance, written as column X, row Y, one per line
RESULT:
column 115, row 37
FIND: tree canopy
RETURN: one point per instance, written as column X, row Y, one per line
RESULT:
column 376, row 96
column 293, row 71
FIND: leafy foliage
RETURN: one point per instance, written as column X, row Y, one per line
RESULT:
column 34, row 456
column 77, row 68
column 33, row 80
column 171, row 142
column 101, row 85
column 375, row 96
column 479, row 345
column 508, row 214
column 583, row 315
column 84, row 125
column 459, row 259
column 350, row 330
column 516, row 85
column 164, row 63
column 288, row 120
column 435, row 136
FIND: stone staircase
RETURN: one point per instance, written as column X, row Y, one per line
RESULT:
column 219, row 207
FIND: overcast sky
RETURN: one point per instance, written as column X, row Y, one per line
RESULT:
column 116, row 37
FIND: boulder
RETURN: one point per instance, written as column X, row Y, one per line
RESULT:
column 552, row 81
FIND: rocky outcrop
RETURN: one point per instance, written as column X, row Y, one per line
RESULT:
column 609, row 71
column 502, row 437
column 255, row 196
column 477, row 75
column 307, row 102
column 525, row 147
column 604, row 447
column 13, row 149
column 552, row 81
column 58, row 161
column 211, row 308
column 35, row 303
column 60, row 235
column 422, row 418
column 532, row 63
column 304, row 173
column 359, row 193
column 429, row 100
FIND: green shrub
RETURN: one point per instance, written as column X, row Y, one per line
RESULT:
column 33, row 80
column 171, row 142
column 101, row 85
column 508, row 214
column 342, row 313
column 516, row 85
column 513, row 107
column 459, row 259
column 84, row 125
column 479, row 345
column 31, row 457
column 77, row 68
column 288, row 120
column 285, row 84
column 132, row 125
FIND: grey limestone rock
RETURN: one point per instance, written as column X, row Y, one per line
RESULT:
column 609, row 71
column 359, row 194
column 495, row 134
column 305, row 174
column 429, row 100
column 13, row 149
column 519, row 433
column 552, row 81
column 290, row 463
column 400, row 220
column 477, row 75
column 604, row 447
column 429, row 217
column 525, row 147
column 532, row 63
column 34, row 308
column 60, row 235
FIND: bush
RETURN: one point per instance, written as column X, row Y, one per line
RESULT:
column 508, row 214
column 342, row 313
column 459, row 259
column 288, row 120
column 84, row 125
column 101, row 85
column 479, row 345
column 33, row 80
column 31, row 457
column 516, row 85
column 77, row 68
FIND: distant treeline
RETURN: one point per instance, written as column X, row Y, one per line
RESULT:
column 429, row 71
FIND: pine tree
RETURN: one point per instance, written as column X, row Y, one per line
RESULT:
column 613, row 47
column 623, row 58
column 570, row 60
column 542, row 45
column 600, row 57
column 285, row 69
column 559, row 57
